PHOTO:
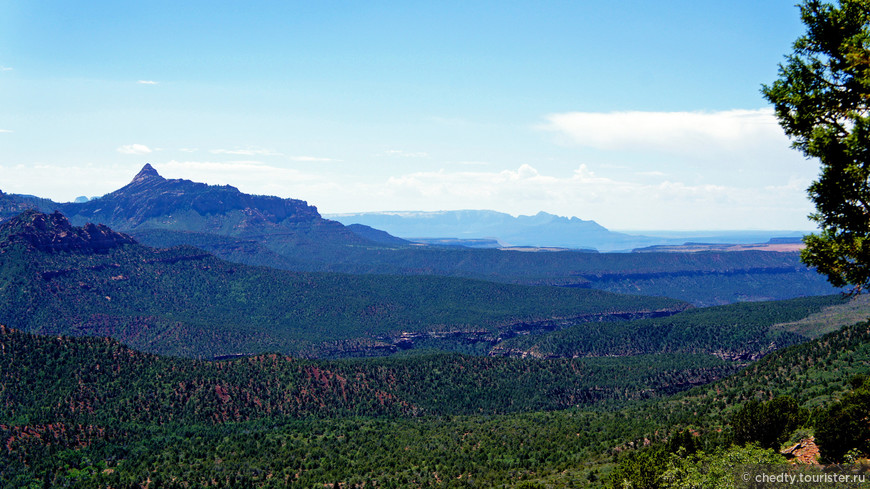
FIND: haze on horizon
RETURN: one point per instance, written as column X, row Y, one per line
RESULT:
column 638, row 116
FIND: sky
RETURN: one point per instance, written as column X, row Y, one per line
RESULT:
column 639, row 115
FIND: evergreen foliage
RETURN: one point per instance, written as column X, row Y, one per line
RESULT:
column 737, row 331
column 768, row 424
column 122, row 418
column 844, row 427
column 822, row 101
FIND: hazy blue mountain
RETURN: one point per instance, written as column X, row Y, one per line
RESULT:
column 540, row 230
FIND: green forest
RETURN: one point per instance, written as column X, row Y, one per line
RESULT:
column 99, row 414
column 124, row 366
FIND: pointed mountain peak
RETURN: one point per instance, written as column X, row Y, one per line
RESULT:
column 146, row 173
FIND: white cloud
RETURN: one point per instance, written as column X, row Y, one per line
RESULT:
column 134, row 149
column 735, row 148
column 5, row 131
column 615, row 203
column 245, row 152
column 678, row 132
column 148, row 82
column 5, row 68
column 312, row 159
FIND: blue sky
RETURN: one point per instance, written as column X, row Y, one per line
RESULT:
column 636, row 114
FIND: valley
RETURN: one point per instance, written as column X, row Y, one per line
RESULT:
column 435, row 245
column 115, row 416
column 176, row 334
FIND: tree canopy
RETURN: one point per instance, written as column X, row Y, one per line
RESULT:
column 821, row 100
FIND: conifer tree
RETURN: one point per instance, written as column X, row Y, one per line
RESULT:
column 821, row 100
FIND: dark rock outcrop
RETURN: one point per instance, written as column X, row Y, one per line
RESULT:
column 54, row 233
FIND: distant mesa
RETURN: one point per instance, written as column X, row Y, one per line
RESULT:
column 487, row 229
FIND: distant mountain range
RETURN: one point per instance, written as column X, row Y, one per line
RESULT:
column 484, row 228
column 290, row 234
column 540, row 230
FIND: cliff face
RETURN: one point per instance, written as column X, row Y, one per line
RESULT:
column 54, row 233
column 149, row 197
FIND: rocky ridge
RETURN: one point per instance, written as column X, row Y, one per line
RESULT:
column 150, row 197
column 53, row 233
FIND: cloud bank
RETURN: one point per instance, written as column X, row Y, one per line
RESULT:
column 312, row 159
column 616, row 203
column 676, row 132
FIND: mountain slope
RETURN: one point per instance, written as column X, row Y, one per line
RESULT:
column 74, row 407
column 151, row 202
column 13, row 204
column 94, row 380
column 54, row 233
column 96, row 413
column 183, row 301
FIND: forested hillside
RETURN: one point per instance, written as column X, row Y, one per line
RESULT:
column 183, row 301
column 737, row 331
column 817, row 392
column 94, row 405
column 98, row 381
column 101, row 415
